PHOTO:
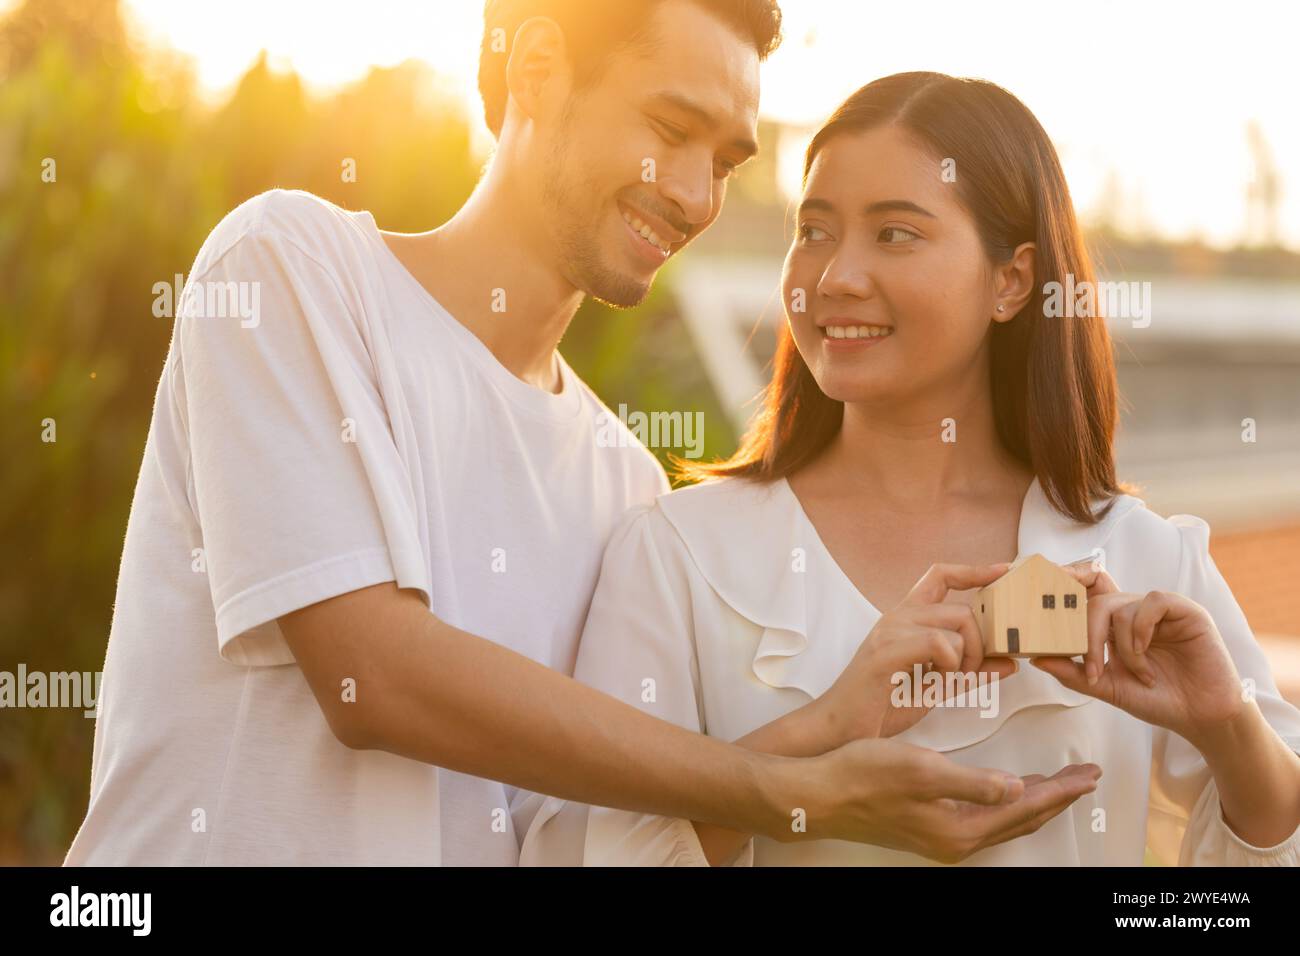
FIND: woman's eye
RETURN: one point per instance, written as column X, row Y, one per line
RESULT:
column 890, row 231
column 812, row 233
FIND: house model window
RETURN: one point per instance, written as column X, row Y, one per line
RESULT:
column 1049, row 601
column 1071, row 601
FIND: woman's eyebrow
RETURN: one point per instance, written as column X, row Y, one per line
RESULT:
column 884, row 205
column 898, row 205
column 816, row 205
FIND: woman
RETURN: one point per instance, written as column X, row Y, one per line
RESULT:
column 926, row 408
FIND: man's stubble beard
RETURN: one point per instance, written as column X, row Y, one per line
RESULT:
column 579, row 247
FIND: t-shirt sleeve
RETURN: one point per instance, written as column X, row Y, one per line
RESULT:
column 299, row 489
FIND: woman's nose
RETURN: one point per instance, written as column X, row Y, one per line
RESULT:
column 845, row 275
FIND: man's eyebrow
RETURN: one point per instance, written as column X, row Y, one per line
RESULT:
column 703, row 117
column 884, row 205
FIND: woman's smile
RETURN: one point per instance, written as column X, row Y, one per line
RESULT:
column 845, row 337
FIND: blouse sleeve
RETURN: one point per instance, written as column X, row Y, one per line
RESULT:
column 1185, row 823
column 638, row 646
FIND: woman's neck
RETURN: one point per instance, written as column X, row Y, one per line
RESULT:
column 918, row 455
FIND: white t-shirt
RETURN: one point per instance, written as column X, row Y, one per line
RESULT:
column 326, row 428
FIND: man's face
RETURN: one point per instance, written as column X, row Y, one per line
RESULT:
column 638, row 165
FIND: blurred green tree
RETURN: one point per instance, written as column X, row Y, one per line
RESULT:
column 112, row 171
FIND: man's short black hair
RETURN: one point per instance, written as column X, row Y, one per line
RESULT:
column 595, row 29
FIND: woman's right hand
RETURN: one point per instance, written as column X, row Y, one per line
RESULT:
column 924, row 630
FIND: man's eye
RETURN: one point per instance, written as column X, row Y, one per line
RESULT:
column 812, row 233
column 672, row 134
column 896, row 230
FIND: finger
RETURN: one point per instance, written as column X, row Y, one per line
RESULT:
column 1121, row 628
column 1035, row 822
column 1100, row 612
column 1094, row 659
column 924, row 645
column 1155, row 607
column 1093, row 577
column 1043, row 799
column 1000, row 667
column 941, row 778
column 961, row 619
column 942, row 578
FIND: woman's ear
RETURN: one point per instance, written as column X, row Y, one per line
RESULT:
column 1014, row 283
column 537, row 73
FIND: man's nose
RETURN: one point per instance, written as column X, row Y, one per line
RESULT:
column 691, row 190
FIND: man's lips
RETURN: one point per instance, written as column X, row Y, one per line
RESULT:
column 654, row 229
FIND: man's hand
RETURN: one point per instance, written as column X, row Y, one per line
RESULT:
column 908, row 798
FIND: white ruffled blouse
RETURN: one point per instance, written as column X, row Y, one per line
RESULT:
column 700, row 594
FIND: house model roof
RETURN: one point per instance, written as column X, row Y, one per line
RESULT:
column 1034, row 560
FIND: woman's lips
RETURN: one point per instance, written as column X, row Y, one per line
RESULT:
column 840, row 337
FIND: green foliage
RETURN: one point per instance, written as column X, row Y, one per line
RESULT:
column 79, row 254
column 142, row 172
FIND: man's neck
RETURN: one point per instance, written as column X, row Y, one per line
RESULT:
column 483, row 270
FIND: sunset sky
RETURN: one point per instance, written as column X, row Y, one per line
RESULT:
column 1156, row 96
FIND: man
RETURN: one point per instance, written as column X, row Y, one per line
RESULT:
column 370, row 515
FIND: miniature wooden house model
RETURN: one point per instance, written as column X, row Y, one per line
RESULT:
column 1037, row 609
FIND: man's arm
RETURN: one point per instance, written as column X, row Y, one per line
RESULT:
column 430, row 692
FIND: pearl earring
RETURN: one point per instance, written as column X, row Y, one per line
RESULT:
column 1002, row 308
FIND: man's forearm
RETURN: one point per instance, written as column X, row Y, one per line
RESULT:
column 433, row 693
column 801, row 733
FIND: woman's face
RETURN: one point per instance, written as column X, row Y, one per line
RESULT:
column 885, row 256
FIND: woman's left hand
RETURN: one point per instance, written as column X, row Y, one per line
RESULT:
column 1167, row 665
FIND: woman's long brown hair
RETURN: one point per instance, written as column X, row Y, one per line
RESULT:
column 1052, row 379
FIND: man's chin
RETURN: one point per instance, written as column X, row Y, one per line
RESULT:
column 618, row 291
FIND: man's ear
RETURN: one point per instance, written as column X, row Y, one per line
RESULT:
column 1014, row 283
column 537, row 73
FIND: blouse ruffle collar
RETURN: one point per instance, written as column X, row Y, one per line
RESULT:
column 749, row 541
